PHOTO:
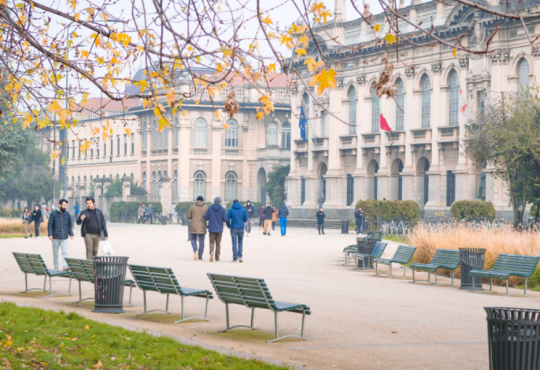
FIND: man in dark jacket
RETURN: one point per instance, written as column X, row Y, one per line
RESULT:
column 236, row 218
column 250, row 213
column 93, row 226
column 216, row 216
column 283, row 212
column 359, row 216
column 268, row 211
column 60, row 228
column 320, row 220
column 149, row 214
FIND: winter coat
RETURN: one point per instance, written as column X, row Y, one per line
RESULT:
column 261, row 212
column 77, row 208
column 149, row 211
column 274, row 215
column 320, row 217
column 60, row 226
column 102, row 223
column 236, row 217
column 216, row 215
column 268, row 211
column 37, row 216
column 283, row 211
column 359, row 215
column 196, row 214
column 27, row 217
column 250, row 210
column 140, row 211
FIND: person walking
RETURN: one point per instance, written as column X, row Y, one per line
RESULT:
column 60, row 228
column 197, row 229
column 274, row 218
column 93, row 225
column 37, row 217
column 359, row 217
column 250, row 210
column 261, row 217
column 149, row 214
column 283, row 212
column 140, row 213
column 216, row 216
column 27, row 220
column 268, row 212
column 320, row 220
column 76, row 210
column 236, row 218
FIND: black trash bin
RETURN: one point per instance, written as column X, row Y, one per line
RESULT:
column 471, row 259
column 110, row 276
column 365, row 245
column 513, row 338
column 345, row 227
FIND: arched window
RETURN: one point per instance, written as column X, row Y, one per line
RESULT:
column 165, row 137
column 200, row 133
column 454, row 98
column 154, row 136
column 231, row 186
column 154, row 184
column 400, row 106
column 523, row 74
column 286, row 136
column 352, row 110
column 426, row 101
column 305, row 105
column 199, row 185
column 272, row 134
column 78, row 180
column 175, row 133
column 145, row 136
column 72, row 180
column 231, row 134
column 160, row 177
column 144, row 180
column 374, row 111
column 175, row 184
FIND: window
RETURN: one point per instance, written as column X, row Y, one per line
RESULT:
column 79, row 149
column 231, row 186
column 165, row 137
column 426, row 183
column 144, row 180
column 231, row 135
column 132, row 143
column 450, row 188
column 324, row 115
column 400, row 183
column 374, row 112
column 426, row 102
column 175, row 185
column 199, row 185
column 145, row 136
column 272, row 134
column 305, row 105
column 160, row 179
column 92, row 151
column 117, row 144
column 286, row 136
column 454, row 99
column 200, row 133
column 125, row 143
column 112, row 147
column 350, row 190
column 352, row 111
column 73, row 149
column 154, row 136
column 375, row 181
column 97, row 147
column 154, row 185
column 85, row 152
column 175, row 134
column 400, row 106
column 104, row 149
column 523, row 74
column 303, row 191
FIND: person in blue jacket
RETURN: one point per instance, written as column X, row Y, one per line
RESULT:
column 60, row 228
column 236, row 218
column 283, row 212
column 216, row 216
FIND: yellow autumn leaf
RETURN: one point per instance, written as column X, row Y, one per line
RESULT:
column 260, row 115
column 300, row 52
column 326, row 14
column 183, row 113
column 304, row 40
column 84, row 53
column 390, row 38
column 76, row 16
column 312, row 65
column 63, row 161
column 267, row 20
column 268, row 106
column 272, row 67
column 218, row 114
column 197, row 102
column 377, row 28
column 317, row 7
column 454, row 52
column 324, row 79
column 128, row 132
column 287, row 40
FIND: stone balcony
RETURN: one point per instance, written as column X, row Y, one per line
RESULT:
column 348, row 144
column 448, row 134
column 371, row 140
column 421, row 137
column 300, row 147
column 232, row 153
column 320, row 145
column 201, row 152
column 273, row 152
column 159, row 152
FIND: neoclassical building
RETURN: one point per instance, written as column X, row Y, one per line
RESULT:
column 423, row 159
column 196, row 155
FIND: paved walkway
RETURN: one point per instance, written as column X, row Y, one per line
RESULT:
column 358, row 321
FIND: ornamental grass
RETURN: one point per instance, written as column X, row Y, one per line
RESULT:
column 496, row 241
column 16, row 227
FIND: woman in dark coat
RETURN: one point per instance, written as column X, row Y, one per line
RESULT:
column 37, row 217
column 320, row 220
column 359, row 216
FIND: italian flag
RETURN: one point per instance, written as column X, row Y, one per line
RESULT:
column 382, row 121
column 463, row 106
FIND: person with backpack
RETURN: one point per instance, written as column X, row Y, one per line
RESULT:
column 196, row 213
column 268, row 212
column 236, row 218
column 216, row 215
column 250, row 212
column 60, row 228
column 27, row 220
column 37, row 217
column 320, row 220
column 283, row 212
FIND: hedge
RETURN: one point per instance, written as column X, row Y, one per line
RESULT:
column 470, row 209
column 128, row 211
column 406, row 210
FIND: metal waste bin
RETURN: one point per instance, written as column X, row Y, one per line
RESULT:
column 345, row 227
column 471, row 259
column 110, row 276
column 513, row 338
column 188, row 227
column 365, row 245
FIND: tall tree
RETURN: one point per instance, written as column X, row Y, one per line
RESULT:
column 501, row 139
column 275, row 186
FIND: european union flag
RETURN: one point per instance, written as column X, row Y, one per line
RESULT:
column 302, row 124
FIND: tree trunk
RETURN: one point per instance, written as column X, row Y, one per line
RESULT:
column 537, row 211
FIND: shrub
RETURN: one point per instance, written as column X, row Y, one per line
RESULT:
column 10, row 212
column 406, row 210
column 115, row 189
column 127, row 211
column 471, row 209
column 17, row 227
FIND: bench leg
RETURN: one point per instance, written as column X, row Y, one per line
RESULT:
column 524, row 290
column 413, row 279
column 376, row 268
column 145, row 311
column 288, row 336
column 80, row 295
column 237, row 326
column 29, row 290
column 452, row 277
column 193, row 317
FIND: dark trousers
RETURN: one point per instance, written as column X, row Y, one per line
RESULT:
column 200, row 248
column 148, row 217
column 261, row 222
column 273, row 225
column 36, row 227
column 320, row 227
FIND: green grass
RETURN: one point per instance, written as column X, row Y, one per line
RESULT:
column 396, row 238
column 7, row 236
column 36, row 338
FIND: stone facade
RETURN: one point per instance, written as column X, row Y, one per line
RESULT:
column 423, row 158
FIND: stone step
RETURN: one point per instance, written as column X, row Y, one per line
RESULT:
column 312, row 223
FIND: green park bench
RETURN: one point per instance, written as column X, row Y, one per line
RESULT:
column 83, row 270
column 348, row 252
column 253, row 293
column 162, row 280
column 402, row 256
column 443, row 259
column 505, row 266
column 377, row 252
column 34, row 264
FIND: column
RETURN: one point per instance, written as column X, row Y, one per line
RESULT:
column 216, row 175
column 184, row 174
column 166, row 199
